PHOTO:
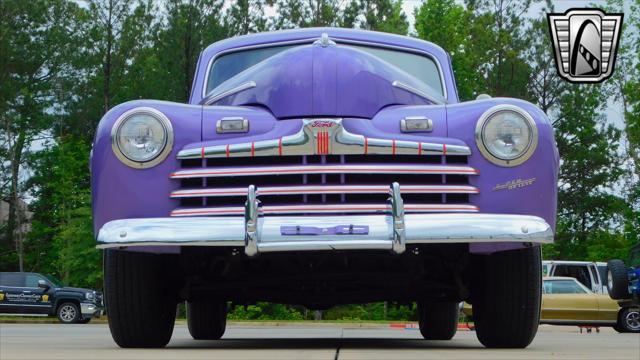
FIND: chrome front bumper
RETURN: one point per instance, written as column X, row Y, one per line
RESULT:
column 391, row 231
column 89, row 310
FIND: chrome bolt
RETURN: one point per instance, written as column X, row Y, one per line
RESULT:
column 123, row 234
column 525, row 229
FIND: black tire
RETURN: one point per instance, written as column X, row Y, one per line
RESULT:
column 629, row 320
column 68, row 313
column 438, row 320
column 617, row 280
column 207, row 320
column 141, row 298
column 506, row 294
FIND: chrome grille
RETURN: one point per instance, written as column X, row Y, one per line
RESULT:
column 316, row 184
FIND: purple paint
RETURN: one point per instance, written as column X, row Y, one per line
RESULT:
column 314, row 81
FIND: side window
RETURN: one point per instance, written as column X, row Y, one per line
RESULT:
column 31, row 280
column 563, row 287
column 12, row 280
column 578, row 272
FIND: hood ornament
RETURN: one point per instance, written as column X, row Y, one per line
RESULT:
column 324, row 40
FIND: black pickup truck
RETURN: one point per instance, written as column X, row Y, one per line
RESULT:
column 35, row 294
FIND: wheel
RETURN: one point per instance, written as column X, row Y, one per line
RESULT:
column 438, row 320
column 617, row 280
column 629, row 320
column 84, row 321
column 207, row 320
column 506, row 294
column 68, row 313
column 141, row 298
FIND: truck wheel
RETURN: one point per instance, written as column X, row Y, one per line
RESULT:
column 629, row 320
column 68, row 313
column 506, row 294
column 617, row 280
column 141, row 298
column 438, row 320
column 207, row 320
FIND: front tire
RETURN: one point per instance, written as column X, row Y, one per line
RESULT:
column 68, row 313
column 141, row 298
column 207, row 320
column 629, row 320
column 617, row 280
column 438, row 320
column 506, row 297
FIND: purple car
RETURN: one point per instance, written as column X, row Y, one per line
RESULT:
column 322, row 167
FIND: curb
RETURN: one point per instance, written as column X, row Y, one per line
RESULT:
column 415, row 326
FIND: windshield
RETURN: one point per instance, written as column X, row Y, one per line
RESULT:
column 563, row 287
column 54, row 281
column 421, row 67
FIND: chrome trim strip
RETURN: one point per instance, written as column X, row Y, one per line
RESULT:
column 487, row 115
column 230, row 231
column 325, row 189
column 422, row 94
column 216, row 97
column 325, row 169
column 323, row 137
column 322, row 209
column 168, row 144
column 337, row 40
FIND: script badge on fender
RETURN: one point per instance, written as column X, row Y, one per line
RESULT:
column 585, row 42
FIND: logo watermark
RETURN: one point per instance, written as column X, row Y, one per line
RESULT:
column 585, row 42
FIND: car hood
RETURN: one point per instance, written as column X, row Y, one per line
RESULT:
column 315, row 81
column 75, row 289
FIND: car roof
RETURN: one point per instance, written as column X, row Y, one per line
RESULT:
column 574, row 262
column 558, row 278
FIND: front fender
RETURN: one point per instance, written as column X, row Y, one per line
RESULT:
column 119, row 191
column 539, row 198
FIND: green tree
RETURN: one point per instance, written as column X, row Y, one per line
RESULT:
column 190, row 27
column 590, row 164
column 245, row 17
column 383, row 15
column 34, row 42
column 446, row 24
column 62, row 241
column 306, row 13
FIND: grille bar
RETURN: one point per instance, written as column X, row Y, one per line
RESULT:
column 326, row 169
column 324, row 208
column 325, row 189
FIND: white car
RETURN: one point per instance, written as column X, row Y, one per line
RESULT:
column 591, row 274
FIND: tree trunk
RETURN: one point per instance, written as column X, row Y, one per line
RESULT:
column 16, row 159
column 106, row 69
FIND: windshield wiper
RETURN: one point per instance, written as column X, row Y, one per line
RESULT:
column 211, row 98
column 433, row 97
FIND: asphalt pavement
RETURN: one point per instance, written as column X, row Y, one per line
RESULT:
column 307, row 342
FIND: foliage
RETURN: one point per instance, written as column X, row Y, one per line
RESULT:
column 264, row 311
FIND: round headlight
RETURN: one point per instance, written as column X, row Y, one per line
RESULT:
column 506, row 135
column 142, row 137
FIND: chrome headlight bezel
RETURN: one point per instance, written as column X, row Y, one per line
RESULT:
column 91, row 296
column 495, row 159
column 160, row 156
